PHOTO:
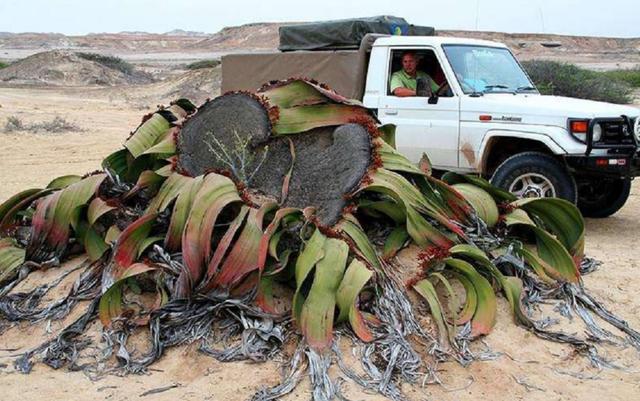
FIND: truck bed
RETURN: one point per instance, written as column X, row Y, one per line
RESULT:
column 344, row 70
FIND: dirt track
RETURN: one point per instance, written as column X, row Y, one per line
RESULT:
column 107, row 116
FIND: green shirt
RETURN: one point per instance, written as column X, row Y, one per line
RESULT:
column 400, row 79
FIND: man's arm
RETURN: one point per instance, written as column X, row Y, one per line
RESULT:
column 403, row 92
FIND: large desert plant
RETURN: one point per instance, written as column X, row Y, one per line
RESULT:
column 309, row 244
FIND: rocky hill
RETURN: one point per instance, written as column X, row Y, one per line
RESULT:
column 68, row 69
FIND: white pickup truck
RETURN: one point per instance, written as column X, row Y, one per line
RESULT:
column 487, row 117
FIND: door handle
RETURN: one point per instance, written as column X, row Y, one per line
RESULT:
column 391, row 112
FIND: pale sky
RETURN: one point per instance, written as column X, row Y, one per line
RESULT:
column 616, row 18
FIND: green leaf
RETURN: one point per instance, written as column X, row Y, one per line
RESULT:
column 471, row 300
column 147, row 135
column 110, row 306
column 562, row 218
column 312, row 252
column 64, row 181
column 363, row 247
column 553, row 256
column 166, row 146
column 354, row 280
column 484, row 317
column 11, row 258
column 10, row 209
column 498, row 194
column 396, row 240
column 304, row 118
column 97, row 209
column 428, row 292
column 482, row 202
column 170, row 189
column 181, row 210
column 316, row 317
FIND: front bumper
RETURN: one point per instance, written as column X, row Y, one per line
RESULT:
column 614, row 165
column 621, row 161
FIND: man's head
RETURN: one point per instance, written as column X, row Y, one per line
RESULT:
column 409, row 63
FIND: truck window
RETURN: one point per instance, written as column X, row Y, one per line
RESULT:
column 427, row 68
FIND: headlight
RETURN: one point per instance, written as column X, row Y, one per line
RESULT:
column 597, row 132
column 636, row 128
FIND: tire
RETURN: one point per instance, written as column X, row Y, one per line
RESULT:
column 535, row 175
column 599, row 198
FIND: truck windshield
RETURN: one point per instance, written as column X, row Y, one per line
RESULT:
column 483, row 69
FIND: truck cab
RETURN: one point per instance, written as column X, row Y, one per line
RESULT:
column 488, row 118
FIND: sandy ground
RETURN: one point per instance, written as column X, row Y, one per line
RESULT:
column 529, row 368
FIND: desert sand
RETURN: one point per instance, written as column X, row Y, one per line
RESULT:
column 525, row 367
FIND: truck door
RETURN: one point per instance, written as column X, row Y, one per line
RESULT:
column 422, row 127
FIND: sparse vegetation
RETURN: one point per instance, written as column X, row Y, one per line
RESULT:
column 2, row 64
column 631, row 76
column 203, row 64
column 109, row 61
column 563, row 79
column 56, row 126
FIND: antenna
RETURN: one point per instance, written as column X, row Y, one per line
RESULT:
column 541, row 18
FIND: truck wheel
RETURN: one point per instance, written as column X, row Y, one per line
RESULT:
column 535, row 175
column 602, row 197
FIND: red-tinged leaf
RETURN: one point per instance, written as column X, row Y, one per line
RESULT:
column 15, row 200
column 9, row 210
column 110, row 306
column 41, row 223
column 64, row 181
column 147, row 135
column 223, row 247
column 11, row 258
column 170, row 189
column 396, row 240
column 264, row 296
column 484, row 317
column 428, row 292
column 269, row 232
column 245, row 254
column 97, row 209
column 126, row 249
column 71, row 198
column 316, row 317
column 180, row 213
column 354, row 280
column 539, row 266
column 215, row 193
column 312, row 252
column 304, row 118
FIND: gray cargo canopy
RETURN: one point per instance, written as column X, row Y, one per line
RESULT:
column 344, row 34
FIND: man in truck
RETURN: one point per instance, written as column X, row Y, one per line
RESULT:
column 404, row 82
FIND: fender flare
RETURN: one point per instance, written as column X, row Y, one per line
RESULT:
column 544, row 139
